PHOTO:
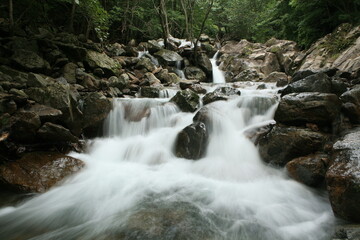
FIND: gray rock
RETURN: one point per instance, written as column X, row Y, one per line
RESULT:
column 69, row 72
column 194, row 73
column 120, row 82
column 300, row 108
column 30, row 61
column 186, row 100
column 25, row 127
column 150, row 92
column 36, row 80
column 145, row 63
column 351, row 104
column 318, row 82
column 101, row 60
column 168, row 57
column 204, row 63
column 191, row 142
column 282, row 144
column 46, row 113
column 55, row 133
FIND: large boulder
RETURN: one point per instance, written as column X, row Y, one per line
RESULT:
column 343, row 177
column 45, row 113
column 221, row 93
column 204, row 63
column 310, row 169
column 192, row 141
column 25, row 126
column 38, row 171
column 101, row 60
column 55, row 133
column 319, row 82
column 120, row 82
column 195, row 73
column 186, row 100
column 301, row 108
column 150, row 92
column 145, row 63
column 351, row 104
column 96, row 108
column 30, row 61
column 283, row 144
column 168, row 57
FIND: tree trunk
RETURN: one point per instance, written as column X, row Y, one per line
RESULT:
column 162, row 13
column 11, row 15
column 72, row 16
column 202, row 29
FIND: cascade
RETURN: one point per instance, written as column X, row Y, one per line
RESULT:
column 218, row 75
column 179, row 70
column 134, row 187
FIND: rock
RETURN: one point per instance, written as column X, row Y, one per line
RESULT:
column 318, row 82
column 36, row 80
column 30, row 61
column 227, row 91
column 351, row 104
column 115, row 49
column 343, row 177
column 277, row 77
column 154, row 46
column 150, row 92
column 101, row 60
column 168, row 220
column 55, row 133
column 192, row 141
column 301, row 108
column 45, row 113
column 25, row 127
column 213, row 96
column 184, row 84
column 63, row 98
column 339, row 86
column 283, row 144
column 194, row 73
column 347, row 232
column 152, row 80
column 197, row 88
column 69, row 72
column 38, row 171
column 96, row 108
column 186, row 100
column 204, row 63
column 309, row 170
column 302, row 74
column 247, row 75
column 145, row 63
column 168, row 57
column 120, row 82
column 271, row 64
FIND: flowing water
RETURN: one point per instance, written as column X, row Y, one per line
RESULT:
column 218, row 75
column 135, row 188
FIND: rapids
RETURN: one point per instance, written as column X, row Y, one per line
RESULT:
column 134, row 187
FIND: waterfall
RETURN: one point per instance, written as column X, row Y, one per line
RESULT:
column 218, row 75
column 134, row 187
column 179, row 70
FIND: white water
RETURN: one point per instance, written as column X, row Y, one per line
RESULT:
column 179, row 70
column 218, row 75
column 132, row 176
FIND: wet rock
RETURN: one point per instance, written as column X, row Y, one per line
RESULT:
column 197, row 88
column 145, row 63
column 38, row 171
column 101, row 60
column 192, row 141
column 213, row 96
column 339, row 86
column 154, row 46
column 347, row 232
column 227, row 91
column 55, row 133
column 25, row 127
column 186, row 100
column 204, row 63
column 343, row 177
column 318, row 82
column 184, row 84
column 300, row 108
column 256, row 133
column 247, row 75
column 45, row 113
column 30, row 61
column 174, row 220
column 150, row 92
column 168, row 57
column 351, row 104
column 283, row 144
column 309, row 170
column 194, row 73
